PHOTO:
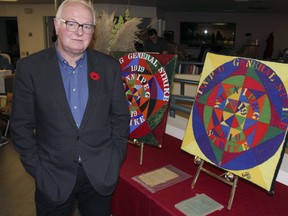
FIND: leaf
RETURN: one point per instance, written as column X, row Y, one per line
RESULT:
column 126, row 36
column 102, row 34
column 112, row 36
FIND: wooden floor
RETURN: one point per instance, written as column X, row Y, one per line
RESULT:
column 16, row 186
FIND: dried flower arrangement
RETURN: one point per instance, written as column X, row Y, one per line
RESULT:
column 111, row 35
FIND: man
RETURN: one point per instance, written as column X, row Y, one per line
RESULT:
column 155, row 43
column 70, row 118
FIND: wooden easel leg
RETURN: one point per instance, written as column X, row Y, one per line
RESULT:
column 232, row 192
column 197, row 174
column 232, row 183
column 141, row 152
column 141, row 145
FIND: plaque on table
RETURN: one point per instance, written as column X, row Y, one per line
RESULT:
column 161, row 178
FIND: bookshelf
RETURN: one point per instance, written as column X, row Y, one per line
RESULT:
column 189, row 67
column 183, row 93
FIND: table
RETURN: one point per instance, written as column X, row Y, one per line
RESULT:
column 132, row 199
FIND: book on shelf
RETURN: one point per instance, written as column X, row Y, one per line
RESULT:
column 188, row 69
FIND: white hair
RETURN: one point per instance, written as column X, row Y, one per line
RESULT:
column 84, row 2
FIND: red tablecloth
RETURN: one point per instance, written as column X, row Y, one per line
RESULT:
column 132, row 199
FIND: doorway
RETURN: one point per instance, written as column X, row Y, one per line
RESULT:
column 50, row 34
column 9, row 38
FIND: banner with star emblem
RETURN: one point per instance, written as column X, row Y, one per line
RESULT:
column 239, row 118
column 147, row 80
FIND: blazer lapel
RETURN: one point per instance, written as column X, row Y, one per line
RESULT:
column 58, row 90
column 94, row 83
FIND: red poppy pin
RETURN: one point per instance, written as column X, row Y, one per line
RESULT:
column 94, row 76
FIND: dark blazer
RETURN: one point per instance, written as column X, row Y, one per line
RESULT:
column 45, row 134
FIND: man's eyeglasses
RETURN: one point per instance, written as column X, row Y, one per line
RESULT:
column 73, row 26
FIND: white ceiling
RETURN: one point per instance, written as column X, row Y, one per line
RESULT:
column 217, row 6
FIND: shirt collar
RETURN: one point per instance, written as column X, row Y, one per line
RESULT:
column 63, row 62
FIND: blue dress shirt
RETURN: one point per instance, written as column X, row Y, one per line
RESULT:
column 76, row 85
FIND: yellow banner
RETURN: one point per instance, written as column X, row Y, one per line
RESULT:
column 239, row 118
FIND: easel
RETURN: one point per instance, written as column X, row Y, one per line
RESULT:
column 141, row 145
column 228, row 178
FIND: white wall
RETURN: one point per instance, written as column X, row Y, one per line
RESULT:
column 29, row 23
column 260, row 25
column 34, row 22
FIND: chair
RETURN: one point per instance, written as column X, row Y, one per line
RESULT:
column 5, row 113
column 5, row 62
column 6, row 56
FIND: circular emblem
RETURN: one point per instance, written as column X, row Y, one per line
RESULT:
column 239, row 114
column 147, row 91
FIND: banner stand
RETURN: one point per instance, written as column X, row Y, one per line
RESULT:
column 227, row 178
